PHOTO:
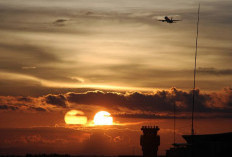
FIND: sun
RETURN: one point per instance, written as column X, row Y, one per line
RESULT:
column 75, row 117
column 103, row 118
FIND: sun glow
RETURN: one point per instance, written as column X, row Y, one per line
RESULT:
column 103, row 118
column 75, row 117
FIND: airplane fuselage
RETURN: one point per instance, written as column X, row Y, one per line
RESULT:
column 168, row 20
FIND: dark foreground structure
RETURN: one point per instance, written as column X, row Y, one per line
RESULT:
column 150, row 141
column 209, row 145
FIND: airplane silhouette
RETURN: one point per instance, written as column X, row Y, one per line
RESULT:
column 168, row 20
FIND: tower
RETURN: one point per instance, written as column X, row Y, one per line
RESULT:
column 150, row 141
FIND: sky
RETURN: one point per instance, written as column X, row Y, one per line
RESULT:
column 111, row 55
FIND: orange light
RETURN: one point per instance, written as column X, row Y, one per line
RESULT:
column 103, row 118
column 75, row 117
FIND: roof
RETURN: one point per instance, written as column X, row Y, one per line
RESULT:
column 222, row 137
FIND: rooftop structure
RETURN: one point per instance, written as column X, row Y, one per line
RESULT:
column 150, row 141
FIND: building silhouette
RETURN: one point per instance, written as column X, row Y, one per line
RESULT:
column 150, row 141
column 212, row 145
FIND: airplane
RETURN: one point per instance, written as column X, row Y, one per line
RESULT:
column 168, row 20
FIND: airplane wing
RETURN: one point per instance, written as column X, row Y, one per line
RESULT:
column 162, row 20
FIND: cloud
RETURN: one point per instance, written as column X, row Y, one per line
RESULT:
column 26, row 99
column 214, row 71
column 161, row 101
column 42, row 140
column 96, row 98
column 25, row 104
column 22, row 50
column 40, row 109
column 7, row 107
column 66, row 140
column 57, row 100
column 26, row 50
column 60, row 22
column 136, row 104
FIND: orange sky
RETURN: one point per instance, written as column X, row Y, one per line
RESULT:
column 37, row 123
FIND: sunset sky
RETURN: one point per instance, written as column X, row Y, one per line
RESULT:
column 114, row 56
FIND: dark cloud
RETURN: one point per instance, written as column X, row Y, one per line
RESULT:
column 96, row 98
column 26, row 99
column 146, row 105
column 140, row 115
column 161, row 101
column 178, row 115
column 214, row 71
column 40, row 109
column 57, row 100
column 7, row 107
column 60, row 22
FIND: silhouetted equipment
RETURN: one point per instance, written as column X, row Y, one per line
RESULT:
column 208, row 145
column 195, row 69
column 212, row 145
column 150, row 141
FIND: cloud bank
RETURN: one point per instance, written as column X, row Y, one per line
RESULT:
column 63, row 140
column 131, row 105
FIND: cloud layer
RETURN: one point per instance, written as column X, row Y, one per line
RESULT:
column 62, row 140
column 132, row 105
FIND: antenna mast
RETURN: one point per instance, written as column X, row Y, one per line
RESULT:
column 194, row 80
column 174, row 127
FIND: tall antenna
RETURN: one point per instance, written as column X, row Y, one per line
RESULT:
column 174, row 127
column 194, row 80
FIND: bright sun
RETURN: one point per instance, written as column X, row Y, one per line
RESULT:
column 75, row 117
column 103, row 118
